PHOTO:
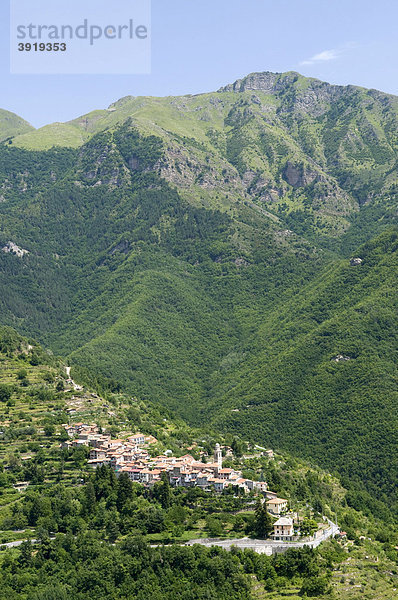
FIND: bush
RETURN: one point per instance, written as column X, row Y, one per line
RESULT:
column 5, row 392
column 314, row 586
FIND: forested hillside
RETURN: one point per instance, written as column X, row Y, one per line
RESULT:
column 322, row 374
column 196, row 250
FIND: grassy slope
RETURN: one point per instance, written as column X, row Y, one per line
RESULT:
column 56, row 134
column 12, row 125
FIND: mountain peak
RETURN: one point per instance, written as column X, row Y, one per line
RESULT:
column 265, row 81
column 269, row 82
column 298, row 93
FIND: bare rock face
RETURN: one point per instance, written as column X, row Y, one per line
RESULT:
column 134, row 163
column 297, row 175
column 314, row 97
column 12, row 248
column 266, row 82
column 355, row 261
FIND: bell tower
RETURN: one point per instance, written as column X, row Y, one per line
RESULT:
column 218, row 456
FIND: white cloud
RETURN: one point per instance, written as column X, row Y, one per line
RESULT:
column 323, row 56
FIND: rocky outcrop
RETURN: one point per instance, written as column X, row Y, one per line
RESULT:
column 341, row 358
column 266, row 82
column 123, row 247
column 12, row 248
column 355, row 261
column 297, row 175
column 304, row 94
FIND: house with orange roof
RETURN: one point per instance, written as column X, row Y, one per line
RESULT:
column 218, row 484
column 137, row 438
column 225, row 473
column 277, row 506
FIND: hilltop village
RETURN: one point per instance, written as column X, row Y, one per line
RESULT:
column 131, row 456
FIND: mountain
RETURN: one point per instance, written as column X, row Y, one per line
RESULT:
column 318, row 156
column 12, row 125
column 196, row 249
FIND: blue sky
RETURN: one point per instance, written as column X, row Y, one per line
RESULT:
column 200, row 45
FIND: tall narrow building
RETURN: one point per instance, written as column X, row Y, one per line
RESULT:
column 218, row 456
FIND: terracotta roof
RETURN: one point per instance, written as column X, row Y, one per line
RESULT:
column 283, row 521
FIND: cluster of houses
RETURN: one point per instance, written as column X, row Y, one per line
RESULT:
column 131, row 456
column 103, row 447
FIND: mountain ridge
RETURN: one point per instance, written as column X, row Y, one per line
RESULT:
column 318, row 155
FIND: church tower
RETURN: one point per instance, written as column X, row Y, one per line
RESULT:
column 218, row 456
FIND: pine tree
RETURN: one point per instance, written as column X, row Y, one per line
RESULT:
column 262, row 520
column 124, row 491
column 90, row 500
column 25, row 557
column 112, row 530
column 164, row 491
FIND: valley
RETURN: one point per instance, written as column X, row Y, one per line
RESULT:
column 219, row 266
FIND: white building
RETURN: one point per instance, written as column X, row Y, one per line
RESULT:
column 283, row 529
column 218, row 456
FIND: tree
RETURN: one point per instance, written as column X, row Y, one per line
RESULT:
column 22, row 374
column 308, row 527
column 5, row 392
column 80, row 457
column 63, row 436
column 237, row 447
column 314, row 586
column 124, row 491
column 239, row 523
column 318, row 506
column 112, row 530
column 89, row 498
column 25, row 556
column 162, row 491
column 49, row 429
column 177, row 515
column 214, row 526
column 262, row 520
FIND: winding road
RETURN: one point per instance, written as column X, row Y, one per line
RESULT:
column 268, row 546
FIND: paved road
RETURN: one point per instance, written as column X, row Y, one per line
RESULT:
column 260, row 546
column 267, row 546
column 15, row 544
